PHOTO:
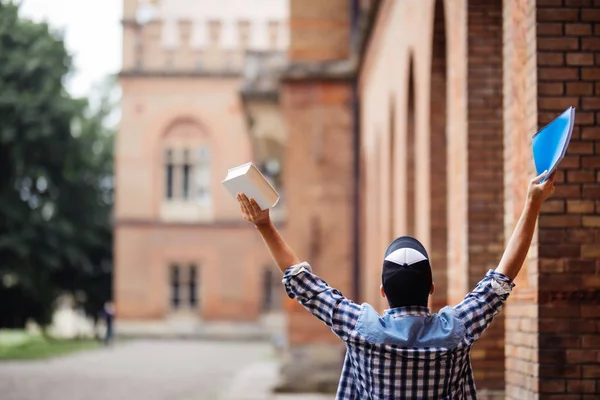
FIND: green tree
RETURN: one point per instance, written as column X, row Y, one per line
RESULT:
column 55, row 180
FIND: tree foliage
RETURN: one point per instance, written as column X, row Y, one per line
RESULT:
column 55, row 178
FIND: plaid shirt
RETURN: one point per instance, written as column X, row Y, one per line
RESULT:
column 407, row 352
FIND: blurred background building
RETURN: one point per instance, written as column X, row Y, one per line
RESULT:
column 182, row 253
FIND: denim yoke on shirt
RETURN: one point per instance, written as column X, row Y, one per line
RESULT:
column 406, row 353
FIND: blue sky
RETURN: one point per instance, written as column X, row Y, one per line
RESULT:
column 92, row 32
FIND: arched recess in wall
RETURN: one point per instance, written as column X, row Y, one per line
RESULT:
column 393, row 165
column 438, row 157
column 410, row 152
column 186, row 178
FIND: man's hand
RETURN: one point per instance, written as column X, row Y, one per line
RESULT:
column 251, row 211
column 539, row 192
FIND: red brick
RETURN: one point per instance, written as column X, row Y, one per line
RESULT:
column 557, row 44
column 590, row 371
column 589, row 221
column 558, row 74
column 549, row 29
column 580, row 356
column 581, row 148
column 549, row 3
column 590, row 74
column 580, row 206
column 592, row 44
column 553, row 207
column 560, row 371
column 590, row 133
column 590, row 251
column 578, row 3
column 578, row 29
column 559, row 250
column 552, row 236
column 590, row 341
column 580, row 266
column 590, row 161
column 551, row 89
column 580, row 59
column 557, row 14
column 590, row 14
column 551, row 266
column 580, row 236
column 570, row 162
column 585, row 117
column 557, row 103
column 549, row 221
column 580, row 177
column 551, row 59
column 552, row 386
column 591, row 191
column 567, row 191
column 581, row 386
column 590, row 311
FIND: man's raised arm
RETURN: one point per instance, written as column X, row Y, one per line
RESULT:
column 482, row 304
column 283, row 255
column 323, row 301
column 518, row 245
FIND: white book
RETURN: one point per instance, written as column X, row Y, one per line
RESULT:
column 249, row 180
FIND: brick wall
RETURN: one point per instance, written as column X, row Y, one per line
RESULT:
column 552, row 328
column 568, row 43
column 319, row 181
column 319, row 30
column 485, row 172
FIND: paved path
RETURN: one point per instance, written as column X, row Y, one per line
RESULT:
column 148, row 370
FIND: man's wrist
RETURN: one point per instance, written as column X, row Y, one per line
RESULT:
column 264, row 226
column 533, row 205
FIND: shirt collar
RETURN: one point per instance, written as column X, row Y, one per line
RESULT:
column 414, row 311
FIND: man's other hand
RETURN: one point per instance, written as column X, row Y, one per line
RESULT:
column 251, row 211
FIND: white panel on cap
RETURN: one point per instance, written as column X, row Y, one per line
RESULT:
column 406, row 256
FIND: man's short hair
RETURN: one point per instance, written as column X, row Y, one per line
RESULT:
column 406, row 274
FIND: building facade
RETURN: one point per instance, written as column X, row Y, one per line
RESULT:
column 430, row 109
column 182, row 252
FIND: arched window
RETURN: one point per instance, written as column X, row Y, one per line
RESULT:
column 187, row 173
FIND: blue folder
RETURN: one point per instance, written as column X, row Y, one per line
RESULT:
column 551, row 142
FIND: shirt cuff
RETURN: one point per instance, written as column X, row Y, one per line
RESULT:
column 501, row 284
column 296, row 269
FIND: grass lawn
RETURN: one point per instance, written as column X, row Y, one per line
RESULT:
column 18, row 345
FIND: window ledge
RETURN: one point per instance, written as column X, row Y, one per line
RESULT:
column 186, row 211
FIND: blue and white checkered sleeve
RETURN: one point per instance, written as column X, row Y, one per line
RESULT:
column 326, row 303
column 480, row 306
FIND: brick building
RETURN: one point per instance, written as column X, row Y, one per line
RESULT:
column 182, row 252
column 416, row 117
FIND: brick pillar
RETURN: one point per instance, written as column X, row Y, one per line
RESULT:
column 553, row 329
column 438, row 157
column 319, row 185
column 568, row 62
column 319, row 180
column 485, row 171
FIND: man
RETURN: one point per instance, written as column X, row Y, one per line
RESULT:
column 407, row 353
column 109, row 316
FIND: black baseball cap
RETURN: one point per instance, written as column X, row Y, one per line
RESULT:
column 406, row 275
